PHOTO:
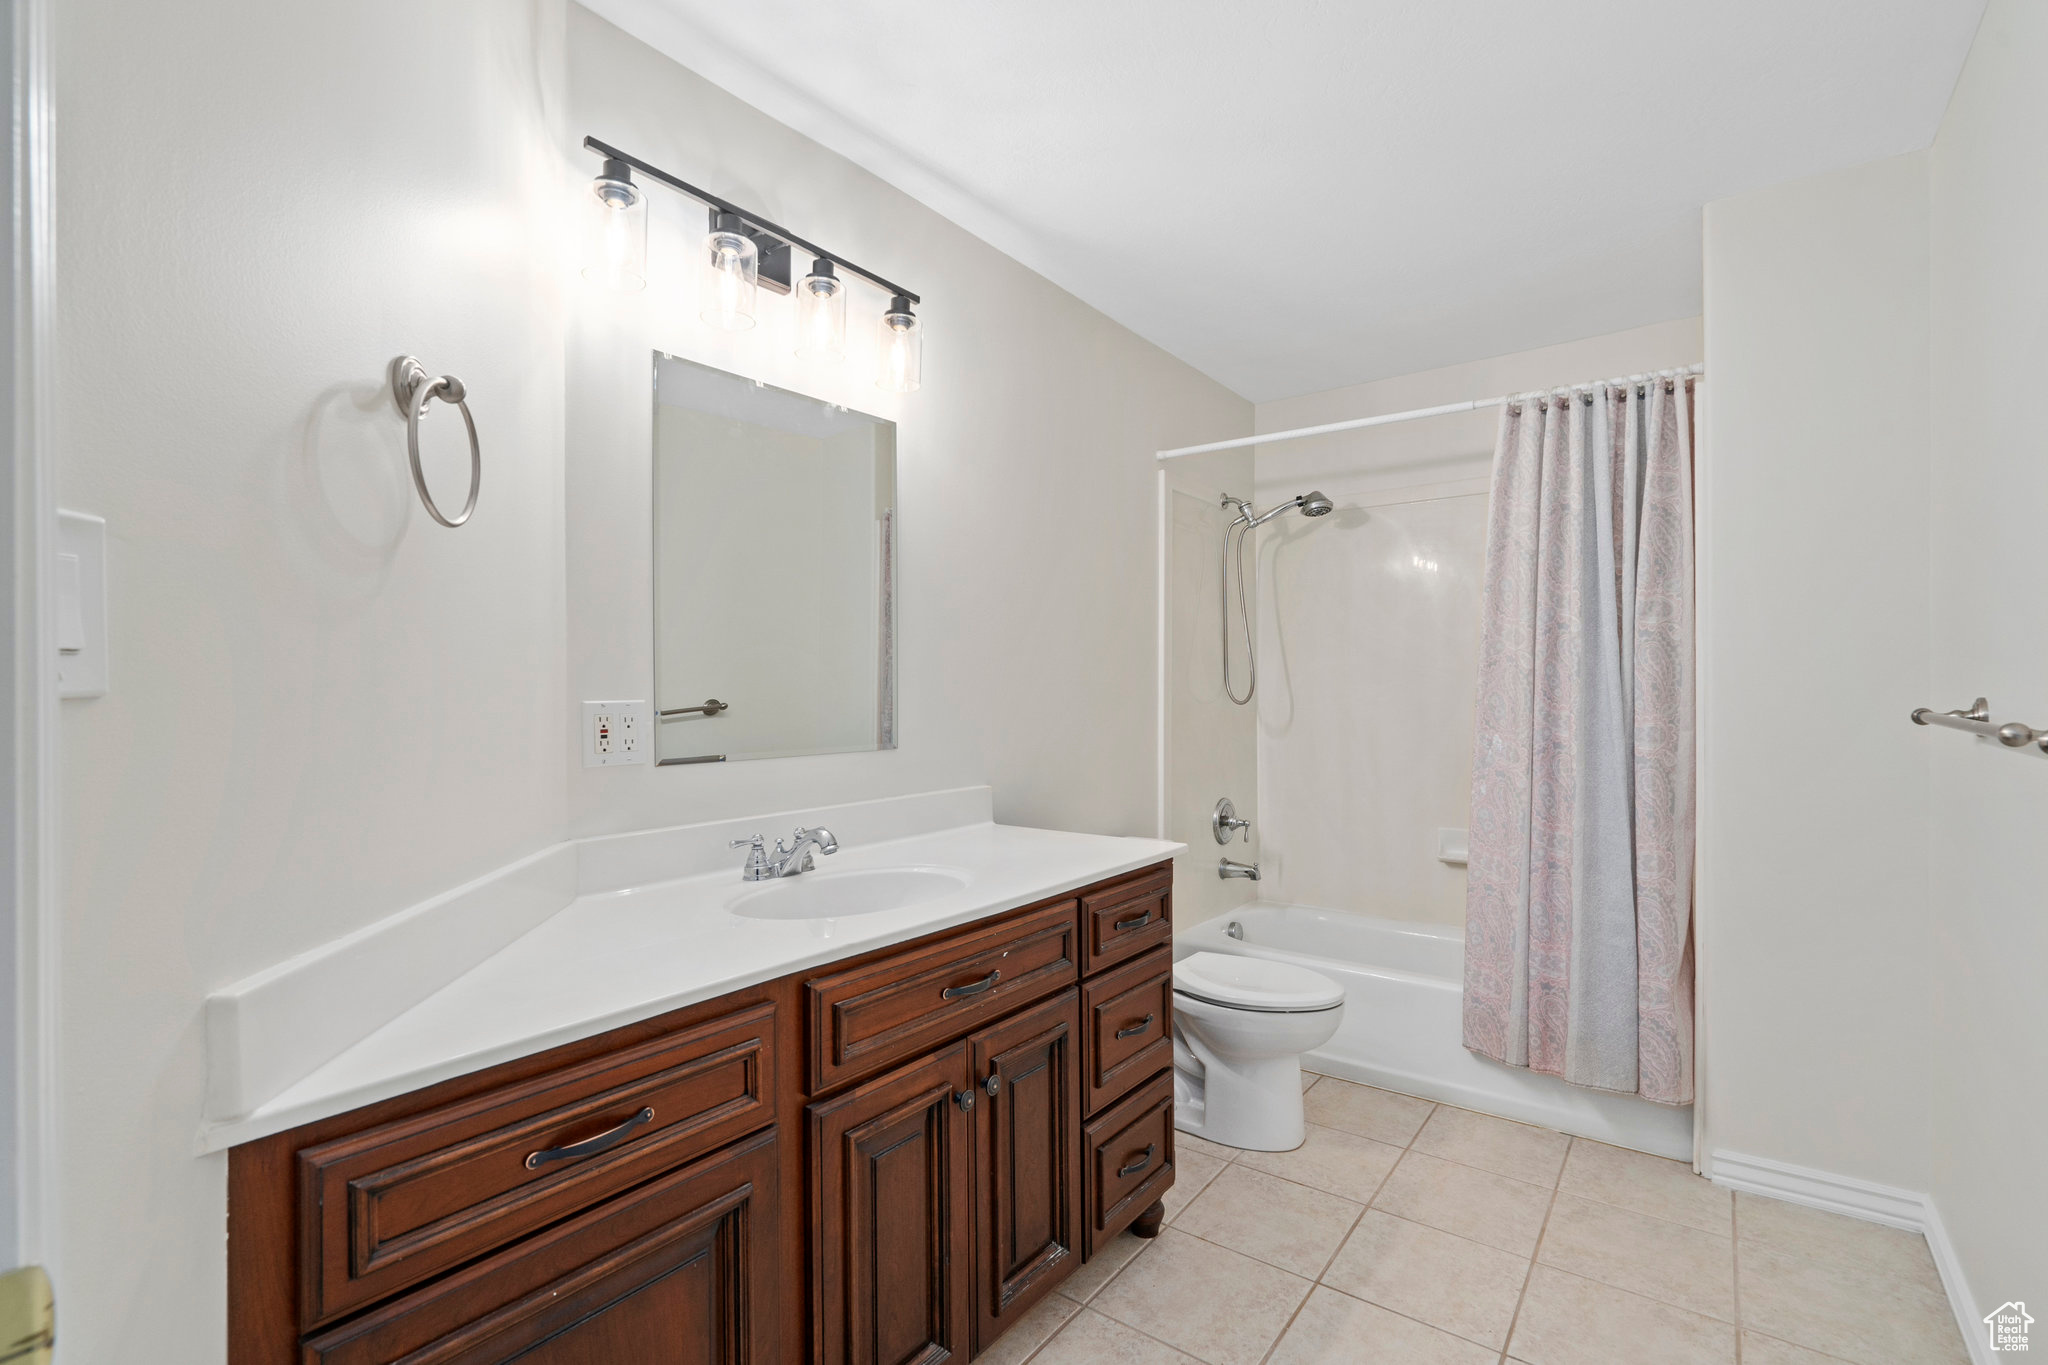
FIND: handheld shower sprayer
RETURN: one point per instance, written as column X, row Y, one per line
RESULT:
column 1311, row 504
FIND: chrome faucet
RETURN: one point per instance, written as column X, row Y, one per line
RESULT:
column 785, row 862
column 1227, row 868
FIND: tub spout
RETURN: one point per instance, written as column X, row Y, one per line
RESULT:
column 1226, row 868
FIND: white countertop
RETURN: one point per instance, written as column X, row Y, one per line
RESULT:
column 613, row 957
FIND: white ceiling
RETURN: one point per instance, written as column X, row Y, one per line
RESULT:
column 1298, row 194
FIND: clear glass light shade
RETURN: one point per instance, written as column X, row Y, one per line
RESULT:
column 615, row 254
column 902, row 349
column 732, row 271
column 821, row 316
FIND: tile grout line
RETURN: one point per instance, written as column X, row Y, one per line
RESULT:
column 1126, row 1326
column 1228, row 1160
column 1406, row 1317
column 1372, row 1206
column 1298, row 1184
column 1314, row 1284
column 1515, row 1319
column 1232, row 1158
column 1364, row 1208
column 1065, row 1322
column 1080, row 1308
column 1443, row 1232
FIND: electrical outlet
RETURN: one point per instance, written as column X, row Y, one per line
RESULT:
column 616, row 732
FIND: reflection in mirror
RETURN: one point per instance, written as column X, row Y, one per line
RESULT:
column 774, row 529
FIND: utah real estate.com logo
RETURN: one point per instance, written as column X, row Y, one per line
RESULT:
column 2008, row 1326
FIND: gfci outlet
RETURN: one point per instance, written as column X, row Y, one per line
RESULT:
column 616, row 732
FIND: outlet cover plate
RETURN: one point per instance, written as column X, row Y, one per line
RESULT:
column 617, row 733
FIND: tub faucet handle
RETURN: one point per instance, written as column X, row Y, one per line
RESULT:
column 1223, row 822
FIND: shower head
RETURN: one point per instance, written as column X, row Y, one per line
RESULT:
column 1310, row 505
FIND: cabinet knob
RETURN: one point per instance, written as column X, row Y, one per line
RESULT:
column 965, row 1099
column 994, row 1085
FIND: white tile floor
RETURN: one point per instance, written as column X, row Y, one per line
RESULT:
column 1409, row 1233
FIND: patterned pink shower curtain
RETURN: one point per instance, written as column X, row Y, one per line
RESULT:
column 1578, row 913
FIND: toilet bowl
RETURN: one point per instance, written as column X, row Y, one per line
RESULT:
column 1240, row 1025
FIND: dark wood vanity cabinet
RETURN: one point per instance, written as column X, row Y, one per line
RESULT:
column 885, row 1161
column 1027, row 1166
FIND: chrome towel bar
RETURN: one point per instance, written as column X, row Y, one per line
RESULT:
column 1977, row 721
column 711, row 707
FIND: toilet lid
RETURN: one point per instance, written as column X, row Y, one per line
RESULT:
column 1254, row 983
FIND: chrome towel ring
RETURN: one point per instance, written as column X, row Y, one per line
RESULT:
column 412, row 388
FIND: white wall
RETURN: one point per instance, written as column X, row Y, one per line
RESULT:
column 1987, row 488
column 1814, row 601
column 1368, row 624
column 1026, row 542
column 324, row 707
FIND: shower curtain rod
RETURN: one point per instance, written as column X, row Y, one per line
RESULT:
column 1443, row 410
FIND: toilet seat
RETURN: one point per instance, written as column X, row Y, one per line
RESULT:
column 1255, row 984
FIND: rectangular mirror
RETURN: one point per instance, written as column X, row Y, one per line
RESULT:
column 774, row 571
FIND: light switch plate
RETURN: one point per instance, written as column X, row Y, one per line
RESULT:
column 617, row 732
column 78, row 571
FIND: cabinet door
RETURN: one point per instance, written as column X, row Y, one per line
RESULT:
column 678, row 1272
column 1027, row 1160
column 891, row 1250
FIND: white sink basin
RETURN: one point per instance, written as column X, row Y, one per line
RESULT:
column 835, row 895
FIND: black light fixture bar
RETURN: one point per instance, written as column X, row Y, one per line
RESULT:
column 753, row 219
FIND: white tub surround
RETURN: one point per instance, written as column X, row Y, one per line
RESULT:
column 593, row 934
column 1401, row 1030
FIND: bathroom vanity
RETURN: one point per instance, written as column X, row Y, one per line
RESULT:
column 883, row 1157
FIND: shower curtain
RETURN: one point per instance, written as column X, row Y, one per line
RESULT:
column 1578, row 946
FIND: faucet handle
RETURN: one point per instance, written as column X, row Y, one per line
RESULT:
column 757, row 857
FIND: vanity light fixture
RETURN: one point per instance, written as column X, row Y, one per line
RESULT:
column 617, row 256
column 902, row 345
column 821, row 314
column 732, row 272
column 743, row 254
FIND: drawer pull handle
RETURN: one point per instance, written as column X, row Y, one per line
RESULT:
column 604, row 1141
column 1125, row 1172
column 974, row 988
column 1135, row 1029
column 1135, row 922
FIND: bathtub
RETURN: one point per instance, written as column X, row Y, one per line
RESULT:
column 1403, row 1019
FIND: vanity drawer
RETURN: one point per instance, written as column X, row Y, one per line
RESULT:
column 1127, row 1027
column 1125, row 918
column 912, row 1001
column 682, row 1269
column 383, row 1209
column 1129, row 1155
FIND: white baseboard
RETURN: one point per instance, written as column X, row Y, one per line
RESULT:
column 1960, row 1300
column 1845, row 1194
column 1874, row 1203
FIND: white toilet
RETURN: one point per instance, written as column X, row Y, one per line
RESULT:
column 1240, row 1025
